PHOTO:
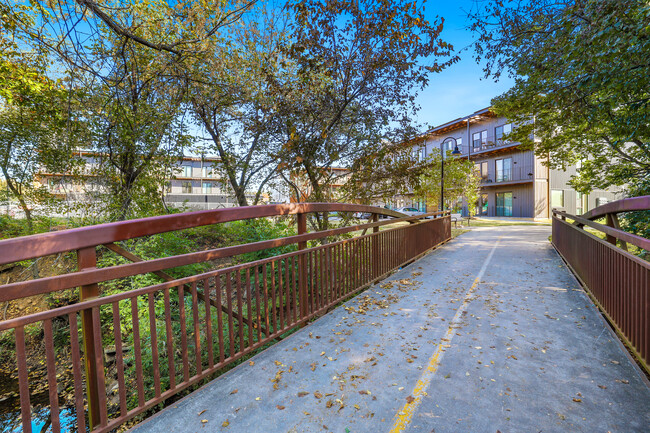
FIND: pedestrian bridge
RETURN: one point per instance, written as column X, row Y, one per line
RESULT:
column 487, row 332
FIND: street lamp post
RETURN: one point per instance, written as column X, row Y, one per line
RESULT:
column 442, row 168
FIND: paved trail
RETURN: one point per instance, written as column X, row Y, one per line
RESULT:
column 489, row 333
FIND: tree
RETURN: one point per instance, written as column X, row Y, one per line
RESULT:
column 231, row 100
column 136, row 114
column 391, row 171
column 461, row 182
column 358, row 67
column 71, row 27
column 35, row 120
column 582, row 76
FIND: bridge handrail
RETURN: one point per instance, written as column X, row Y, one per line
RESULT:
column 94, row 275
column 633, row 239
column 195, row 325
column 39, row 245
column 615, row 279
column 618, row 206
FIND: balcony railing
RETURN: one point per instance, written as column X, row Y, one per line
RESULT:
column 516, row 173
column 139, row 347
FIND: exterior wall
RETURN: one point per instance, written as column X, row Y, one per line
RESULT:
column 532, row 184
column 573, row 202
column 206, row 188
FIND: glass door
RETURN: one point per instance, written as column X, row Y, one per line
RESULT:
column 504, row 204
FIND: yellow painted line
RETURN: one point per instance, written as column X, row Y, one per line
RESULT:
column 404, row 416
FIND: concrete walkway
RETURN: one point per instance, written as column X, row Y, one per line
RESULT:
column 490, row 333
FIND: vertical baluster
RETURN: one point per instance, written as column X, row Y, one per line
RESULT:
column 286, row 293
column 217, row 286
column 310, row 280
column 294, row 283
column 197, row 329
column 231, row 329
column 274, row 298
column 249, row 301
column 119, row 357
column 266, row 300
column 240, row 309
column 23, row 379
column 153, row 332
column 76, row 373
column 137, row 351
column 169, row 339
column 328, row 274
column 256, row 284
column 321, row 277
column 51, row 375
column 182, row 319
column 208, row 320
column 99, row 366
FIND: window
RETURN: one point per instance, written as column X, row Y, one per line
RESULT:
column 479, row 139
column 186, row 187
column 481, row 169
column 206, row 188
column 500, row 131
column 504, row 204
column 557, row 198
column 483, row 205
column 601, row 201
column 204, row 171
column 168, row 187
column 187, row 171
column 504, row 169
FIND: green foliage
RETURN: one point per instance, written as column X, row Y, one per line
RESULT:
column 638, row 222
column 356, row 69
column 582, row 80
column 461, row 181
column 155, row 246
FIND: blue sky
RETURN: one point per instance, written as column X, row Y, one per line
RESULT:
column 460, row 89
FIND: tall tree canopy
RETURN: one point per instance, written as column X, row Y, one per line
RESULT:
column 358, row 68
column 582, row 76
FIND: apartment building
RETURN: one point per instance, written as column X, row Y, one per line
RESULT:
column 197, row 184
column 194, row 183
column 515, row 183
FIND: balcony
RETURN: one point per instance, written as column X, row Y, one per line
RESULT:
column 515, row 175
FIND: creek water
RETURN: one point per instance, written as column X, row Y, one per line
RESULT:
column 10, row 417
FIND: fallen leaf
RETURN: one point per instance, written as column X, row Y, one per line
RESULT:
column 410, row 399
column 577, row 400
column 279, row 407
column 302, row 393
column 204, row 421
column 200, row 413
column 226, row 423
column 234, row 391
column 318, row 395
column 602, row 387
column 251, row 362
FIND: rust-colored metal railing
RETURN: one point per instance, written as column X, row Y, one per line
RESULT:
column 182, row 331
column 618, row 281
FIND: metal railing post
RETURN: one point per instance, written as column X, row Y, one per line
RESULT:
column 86, row 259
column 301, row 220
column 375, row 248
